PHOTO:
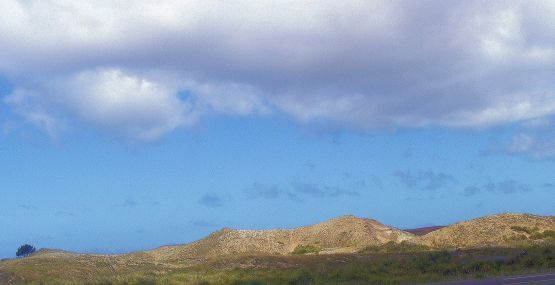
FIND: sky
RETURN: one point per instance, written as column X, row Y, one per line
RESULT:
column 127, row 125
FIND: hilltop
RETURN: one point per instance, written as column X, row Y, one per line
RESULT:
column 497, row 230
column 345, row 234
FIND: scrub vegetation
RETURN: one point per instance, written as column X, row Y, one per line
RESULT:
column 391, row 267
column 345, row 250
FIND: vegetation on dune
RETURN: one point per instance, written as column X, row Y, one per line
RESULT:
column 497, row 230
column 305, row 249
column 524, row 229
column 392, row 247
column 342, row 234
column 535, row 234
column 549, row 234
column 382, row 268
column 346, row 250
column 394, row 267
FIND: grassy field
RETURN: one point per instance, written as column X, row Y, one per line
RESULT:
column 394, row 264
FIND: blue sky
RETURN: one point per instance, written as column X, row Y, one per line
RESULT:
column 133, row 126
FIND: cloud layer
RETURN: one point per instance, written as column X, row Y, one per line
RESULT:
column 144, row 68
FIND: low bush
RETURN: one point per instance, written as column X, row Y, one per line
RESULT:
column 304, row 249
column 392, row 247
column 548, row 234
column 521, row 229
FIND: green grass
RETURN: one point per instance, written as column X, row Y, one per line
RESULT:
column 549, row 234
column 392, row 247
column 304, row 249
column 533, row 234
column 523, row 229
column 390, row 268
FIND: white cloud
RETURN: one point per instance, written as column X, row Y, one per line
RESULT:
column 535, row 140
column 114, row 100
column 25, row 103
column 130, row 105
column 134, row 107
column 510, row 108
column 122, row 65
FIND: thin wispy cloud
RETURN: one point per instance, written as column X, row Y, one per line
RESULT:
column 472, row 190
column 321, row 191
column 132, row 202
column 129, row 202
column 299, row 189
column 263, row 191
column 212, row 200
column 536, row 140
column 27, row 207
column 64, row 213
column 424, row 180
column 502, row 187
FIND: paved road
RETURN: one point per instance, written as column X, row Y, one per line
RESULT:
column 539, row 279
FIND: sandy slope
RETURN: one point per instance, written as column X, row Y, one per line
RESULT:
column 346, row 234
column 343, row 234
column 496, row 230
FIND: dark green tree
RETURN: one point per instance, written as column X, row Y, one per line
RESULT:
column 25, row 250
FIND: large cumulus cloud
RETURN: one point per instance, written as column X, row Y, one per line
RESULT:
column 349, row 64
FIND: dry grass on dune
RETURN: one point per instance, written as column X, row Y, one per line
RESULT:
column 341, row 235
column 52, row 264
column 496, row 230
column 337, row 241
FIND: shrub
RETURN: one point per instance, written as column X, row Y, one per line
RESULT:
column 304, row 249
column 393, row 247
column 25, row 250
column 521, row 229
column 543, row 235
column 519, row 237
column 144, row 282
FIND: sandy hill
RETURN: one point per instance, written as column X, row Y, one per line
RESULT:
column 260, row 248
column 73, row 267
column 343, row 234
column 496, row 230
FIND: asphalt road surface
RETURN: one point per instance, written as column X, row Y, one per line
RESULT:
column 539, row 279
